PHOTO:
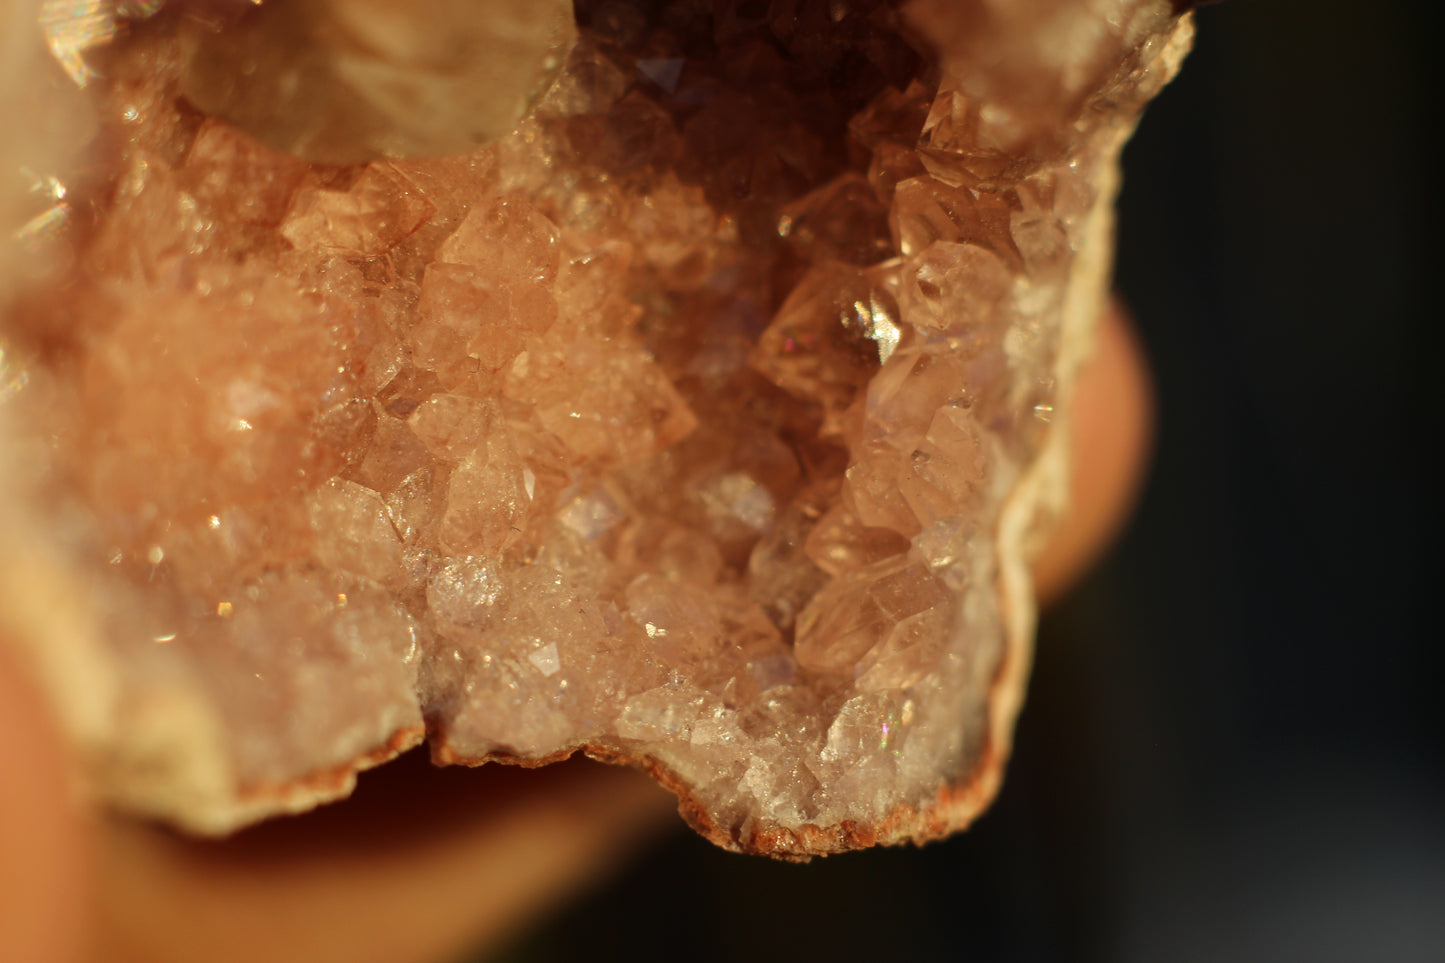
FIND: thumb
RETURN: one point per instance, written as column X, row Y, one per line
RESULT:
column 43, row 834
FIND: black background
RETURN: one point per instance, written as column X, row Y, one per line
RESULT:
column 1231, row 749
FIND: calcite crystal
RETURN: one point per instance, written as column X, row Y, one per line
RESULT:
column 700, row 423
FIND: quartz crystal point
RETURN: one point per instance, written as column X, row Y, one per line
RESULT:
column 701, row 423
column 342, row 81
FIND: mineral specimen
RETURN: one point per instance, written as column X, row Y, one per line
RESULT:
column 701, row 423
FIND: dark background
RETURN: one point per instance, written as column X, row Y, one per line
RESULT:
column 1232, row 746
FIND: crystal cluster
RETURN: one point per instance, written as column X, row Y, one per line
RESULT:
column 698, row 423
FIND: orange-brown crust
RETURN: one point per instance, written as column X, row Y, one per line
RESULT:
column 335, row 782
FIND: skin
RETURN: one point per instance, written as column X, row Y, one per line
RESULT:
column 464, row 858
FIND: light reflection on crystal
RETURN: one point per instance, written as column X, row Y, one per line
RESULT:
column 13, row 375
column 46, row 227
column 882, row 330
column 73, row 28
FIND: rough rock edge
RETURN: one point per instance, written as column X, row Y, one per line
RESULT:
column 165, row 761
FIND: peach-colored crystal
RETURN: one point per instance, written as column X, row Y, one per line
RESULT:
column 698, row 423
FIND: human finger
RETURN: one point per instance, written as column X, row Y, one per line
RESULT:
column 421, row 864
column 1111, row 435
column 43, row 833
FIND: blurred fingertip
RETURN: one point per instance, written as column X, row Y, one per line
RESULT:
column 1111, row 436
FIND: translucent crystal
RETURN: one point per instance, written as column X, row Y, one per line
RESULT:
column 698, row 420
column 343, row 82
column 370, row 217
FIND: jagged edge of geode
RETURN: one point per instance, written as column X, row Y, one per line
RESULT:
column 1038, row 496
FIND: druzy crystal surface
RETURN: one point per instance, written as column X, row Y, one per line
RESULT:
column 699, row 423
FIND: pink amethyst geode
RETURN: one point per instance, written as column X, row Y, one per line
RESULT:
column 702, row 423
